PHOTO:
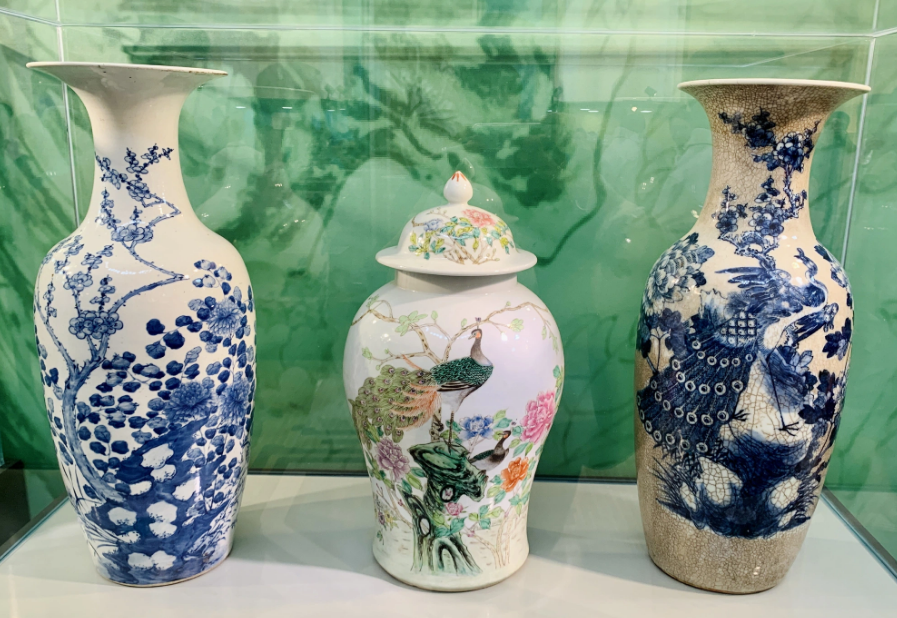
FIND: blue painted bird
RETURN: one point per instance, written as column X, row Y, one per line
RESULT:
column 684, row 406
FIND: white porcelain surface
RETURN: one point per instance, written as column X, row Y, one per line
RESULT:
column 302, row 550
column 453, row 383
column 457, row 239
column 145, row 328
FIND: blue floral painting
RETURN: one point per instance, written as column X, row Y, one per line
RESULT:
column 714, row 467
column 152, row 439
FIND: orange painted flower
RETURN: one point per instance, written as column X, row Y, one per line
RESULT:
column 514, row 473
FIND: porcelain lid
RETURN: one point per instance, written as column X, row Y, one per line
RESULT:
column 457, row 239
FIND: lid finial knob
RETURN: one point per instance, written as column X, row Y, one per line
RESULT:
column 458, row 189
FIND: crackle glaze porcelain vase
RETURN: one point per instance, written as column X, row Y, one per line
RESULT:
column 145, row 325
column 453, row 372
column 743, row 346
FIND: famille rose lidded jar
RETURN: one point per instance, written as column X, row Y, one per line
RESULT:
column 453, row 372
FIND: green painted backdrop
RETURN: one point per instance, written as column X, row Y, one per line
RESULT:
column 340, row 120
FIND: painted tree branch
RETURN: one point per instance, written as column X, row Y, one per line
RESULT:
column 488, row 320
column 70, row 364
column 418, row 329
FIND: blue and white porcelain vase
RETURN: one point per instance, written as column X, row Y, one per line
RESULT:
column 743, row 347
column 145, row 327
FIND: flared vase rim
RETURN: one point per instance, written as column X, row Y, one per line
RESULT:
column 818, row 83
column 124, row 65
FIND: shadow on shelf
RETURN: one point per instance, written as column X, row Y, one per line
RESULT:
column 615, row 549
column 331, row 529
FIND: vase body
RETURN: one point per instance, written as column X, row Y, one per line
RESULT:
column 145, row 328
column 743, row 348
column 446, row 519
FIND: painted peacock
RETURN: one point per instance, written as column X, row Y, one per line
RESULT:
column 689, row 406
column 684, row 406
column 400, row 398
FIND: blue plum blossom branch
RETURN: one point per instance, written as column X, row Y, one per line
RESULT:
column 769, row 211
column 213, row 409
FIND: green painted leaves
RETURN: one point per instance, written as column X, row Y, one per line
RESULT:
column 427, row 244
column 518, row 502
column 484, row 517
column 517, row 325
column 411, row 479
column 524, row 448
column 406, row 321
column 454, row 528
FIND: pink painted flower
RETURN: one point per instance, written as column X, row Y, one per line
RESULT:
column 539, row 414
column 479, row 218
column 391, row 459
column 453, row 508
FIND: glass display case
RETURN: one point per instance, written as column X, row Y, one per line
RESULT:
column 338, row 121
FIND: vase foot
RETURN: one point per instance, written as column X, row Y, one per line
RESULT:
column 175, row 581
column 699, row 586
column 449, row 582
column 703, row 559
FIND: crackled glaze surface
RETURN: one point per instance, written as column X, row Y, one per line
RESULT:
column 743, row 348
column 145, row 328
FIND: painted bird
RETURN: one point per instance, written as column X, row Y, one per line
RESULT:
column 684, row 406
column 493, row 457
column 401, row 398
column 690, row 408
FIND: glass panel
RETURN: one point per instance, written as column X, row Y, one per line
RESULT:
column 315, row 151
column 863, row 466
column 887, row 16
column 340, row 119
column 800, row 16
column 43, row 9
column 35, row 212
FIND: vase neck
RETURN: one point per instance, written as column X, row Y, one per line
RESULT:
column 446, row 284
column 764, row 142
column 745, row 195
column 134, row 111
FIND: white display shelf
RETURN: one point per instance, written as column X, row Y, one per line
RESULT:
column 303, row 548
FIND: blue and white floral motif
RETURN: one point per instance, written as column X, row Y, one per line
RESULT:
column 677, row 271
column 744, row 350
column 152, row 442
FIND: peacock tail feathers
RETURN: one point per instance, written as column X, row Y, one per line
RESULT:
column 465, row 370
column 684, row 406
column 394, row 401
